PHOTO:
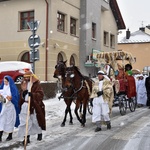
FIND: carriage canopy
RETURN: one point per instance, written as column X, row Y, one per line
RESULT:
column 115, row 57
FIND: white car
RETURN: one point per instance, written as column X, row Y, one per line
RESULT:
column 15, row 69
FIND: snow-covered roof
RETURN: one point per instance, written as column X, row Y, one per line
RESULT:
column 136, row 37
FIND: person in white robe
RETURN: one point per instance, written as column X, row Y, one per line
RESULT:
column 141, row 91
column 102, row 94
column 9, row 113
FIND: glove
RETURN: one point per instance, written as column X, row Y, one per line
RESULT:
column 24, row 93
column 30, row 94
column 99, row 93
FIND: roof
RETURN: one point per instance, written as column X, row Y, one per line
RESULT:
column 116, row 12
column 136, row 37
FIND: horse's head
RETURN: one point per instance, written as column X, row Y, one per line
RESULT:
column 69, row 77
column 60, row 69
column 73, row 77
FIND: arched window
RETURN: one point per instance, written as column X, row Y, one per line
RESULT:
column 25, row 57
column 59, row 57
column 72, row 60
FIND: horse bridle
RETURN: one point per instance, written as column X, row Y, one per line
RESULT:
column 70, row 73
column 60, row 69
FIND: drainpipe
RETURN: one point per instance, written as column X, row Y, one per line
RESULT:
column 46, row 42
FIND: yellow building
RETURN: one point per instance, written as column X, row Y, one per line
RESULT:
column 138, row 44
column 55, row 37
column 59, row 31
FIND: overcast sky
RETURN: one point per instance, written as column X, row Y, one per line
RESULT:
column 135, row 13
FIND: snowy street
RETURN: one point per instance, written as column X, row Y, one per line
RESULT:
column 126, row 130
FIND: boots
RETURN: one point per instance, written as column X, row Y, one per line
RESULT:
column 108, row 124
column 1, row 133
column 28, row 140
column 98, row 128
column 9, row 137
column 39, row 138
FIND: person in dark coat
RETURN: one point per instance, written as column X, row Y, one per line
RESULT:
column 31, row 91
column 147, row 85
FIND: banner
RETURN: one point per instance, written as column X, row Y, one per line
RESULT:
column 94, row 53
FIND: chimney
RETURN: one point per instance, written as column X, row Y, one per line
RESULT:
column 127, row 34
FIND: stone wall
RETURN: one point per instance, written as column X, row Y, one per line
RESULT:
column 50, row 89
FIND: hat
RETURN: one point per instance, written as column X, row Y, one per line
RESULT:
column 101, row 72
column 31, row 74
column 139, row 75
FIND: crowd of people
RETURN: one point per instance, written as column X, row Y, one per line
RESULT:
column 103, row 92
column 23, row 109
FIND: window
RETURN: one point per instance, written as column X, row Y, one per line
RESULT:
column 105, row 38
column 93, row 30
column 61, row 22
column 72, row 60
column 73, row 26
column 59, row 57
column 112, row 41
column 25, row 57
column 24, row 18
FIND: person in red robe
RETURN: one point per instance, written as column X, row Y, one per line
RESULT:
column 130, row 82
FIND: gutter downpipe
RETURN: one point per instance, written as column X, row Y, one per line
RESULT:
column 46, row 42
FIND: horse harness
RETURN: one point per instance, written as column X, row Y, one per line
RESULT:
column 70, row 74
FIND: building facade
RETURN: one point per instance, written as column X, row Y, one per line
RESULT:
column 100, row 22
column 68, row 30
column 138, row 44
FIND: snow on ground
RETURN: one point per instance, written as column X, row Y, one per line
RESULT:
column 55, row 110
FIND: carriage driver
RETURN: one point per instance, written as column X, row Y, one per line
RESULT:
column 102, row 95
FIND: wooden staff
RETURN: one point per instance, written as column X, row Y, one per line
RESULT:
column 28, row 113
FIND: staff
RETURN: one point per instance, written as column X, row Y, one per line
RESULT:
column 29, row 99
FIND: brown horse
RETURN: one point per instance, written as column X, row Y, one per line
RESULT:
column 82, row 88
column 60, row 70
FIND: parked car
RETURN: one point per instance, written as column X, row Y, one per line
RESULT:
column 15, row 69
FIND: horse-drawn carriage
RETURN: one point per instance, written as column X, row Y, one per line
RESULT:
column 78, row 87
column 117, row 65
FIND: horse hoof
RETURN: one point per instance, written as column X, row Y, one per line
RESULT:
column 82, row 125
column 62, row 125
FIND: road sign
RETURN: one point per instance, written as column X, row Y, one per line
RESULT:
column 34, row 41
column 34, row 55
column 33, row 25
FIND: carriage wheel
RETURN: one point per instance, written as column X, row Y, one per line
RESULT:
column 132, row 104
column 122, row 104
column 90, row 108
